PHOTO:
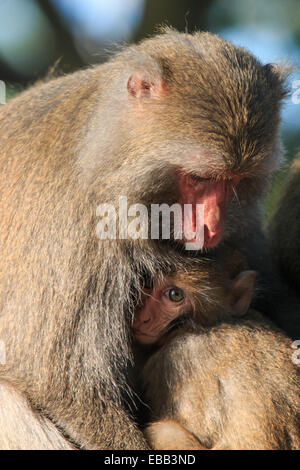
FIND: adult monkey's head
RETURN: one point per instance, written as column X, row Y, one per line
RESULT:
column 193, row 120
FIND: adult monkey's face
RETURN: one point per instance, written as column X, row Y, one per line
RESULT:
column 209, row 127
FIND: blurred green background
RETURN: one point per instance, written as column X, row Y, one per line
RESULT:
column 41, row 37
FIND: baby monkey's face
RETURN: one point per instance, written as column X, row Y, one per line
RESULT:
column 161, row 305
column 200, row 293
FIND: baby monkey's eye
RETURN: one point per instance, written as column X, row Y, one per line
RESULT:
column 175, row 294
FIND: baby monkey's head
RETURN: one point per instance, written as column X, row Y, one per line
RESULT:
column 203, row 291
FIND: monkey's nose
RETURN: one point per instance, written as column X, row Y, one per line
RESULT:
column 211, row 238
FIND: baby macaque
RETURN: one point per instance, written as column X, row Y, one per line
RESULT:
column 226, row 384
column 196, row 291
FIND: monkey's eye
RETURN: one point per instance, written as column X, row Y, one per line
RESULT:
column 175, row 294
column 199, row 179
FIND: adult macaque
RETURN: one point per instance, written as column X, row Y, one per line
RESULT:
column 283, row 245
column 229, row 386
column 177, row 119
column 285, row 229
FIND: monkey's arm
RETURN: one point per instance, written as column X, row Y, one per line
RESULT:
column 101, row 428
column 277, row 299
column 170, row 435
column 22, row 428
column 25, row 429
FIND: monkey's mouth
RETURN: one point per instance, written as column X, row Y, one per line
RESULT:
column 204, row 204
column 172, row 327
column 161, row 338
column 177, row 322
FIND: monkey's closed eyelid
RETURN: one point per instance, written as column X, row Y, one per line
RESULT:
column 200, row 179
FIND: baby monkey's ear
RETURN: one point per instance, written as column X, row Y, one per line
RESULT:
column 240, row 292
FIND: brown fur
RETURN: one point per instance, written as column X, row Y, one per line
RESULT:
column 67, row 299
column 231, row 386
column 22, row 428
column 283, row 239
column 285, row 228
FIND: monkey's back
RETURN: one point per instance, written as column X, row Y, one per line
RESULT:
column 39, row 189
column 233, row 386
column 285, row 228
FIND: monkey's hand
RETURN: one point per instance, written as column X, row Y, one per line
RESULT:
column 170, row 435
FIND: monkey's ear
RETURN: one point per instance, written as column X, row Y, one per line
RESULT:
column 241, row 292
column 279, row 73
column 142, row 85
column 282, row 70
